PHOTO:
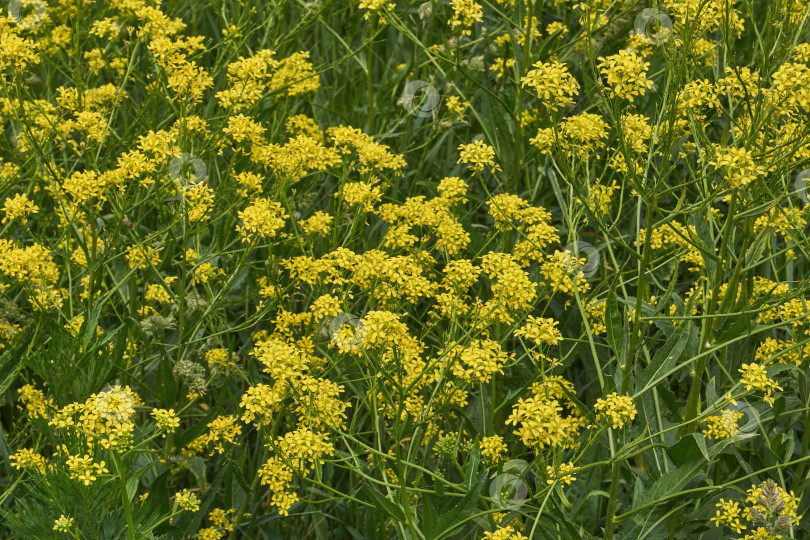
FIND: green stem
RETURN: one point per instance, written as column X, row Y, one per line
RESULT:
column 641, row 294
column 610, row 524
column 693, row 401
column 514, row 182
column 122, row 479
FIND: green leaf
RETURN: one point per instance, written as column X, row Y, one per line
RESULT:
column 704, row 240
column 167, row 385
column 132, row 487
column 438, row 488
column 382, row 504
column 428, row 514
column 471, row 468
column 497, row 123
column 618, row 335
column 158, row 495
column 196, row 465
column 450, row 521
column 686, row 449
column 196, row 430
column 673, row 481
column 665, row 358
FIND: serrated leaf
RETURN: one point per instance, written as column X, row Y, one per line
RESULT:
column 132, row 487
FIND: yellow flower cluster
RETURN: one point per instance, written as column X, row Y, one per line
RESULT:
column 465, row 14
column 222, row 524
column 478, row 361
column 769, row 510
column 166, row 420
column 625, row 74
column 493, row 448
column 618, row 409
column 540, row 330
column 478, row 155
column 542, row 420
column 64, row 524
column 754, row 377
column 18, row 207
column 300, row 449
column 728, row 515
column 553, row 84
column 504, row 533
column 84, row 469
column 262, row 219
column 723, row 425
column 362, row 194
column 187, row 500
column 739, row 164
column 562, row 474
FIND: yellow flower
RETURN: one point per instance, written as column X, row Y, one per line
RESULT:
column 504, row 533
column 478, row 155
column 263, row 218
column 728, row 515
column 739, row 164
column 18, row 207
column 492, row 448
column 166, row 420
column 619, row 409
column 754, row 377
column 540, row 330
column 63, row 524
column 723, row 425
column 561, row 474
column 84, row 469
column 626, row 74
column 85, row 185
column 465, row 14
column 552, row 83
column 360, row 193
column 187, row 501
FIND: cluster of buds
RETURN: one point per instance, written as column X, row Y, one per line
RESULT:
column 773, row 518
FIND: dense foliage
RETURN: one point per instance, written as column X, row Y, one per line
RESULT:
column 504, row 269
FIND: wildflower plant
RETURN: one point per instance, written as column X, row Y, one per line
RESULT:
column 505, row 270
